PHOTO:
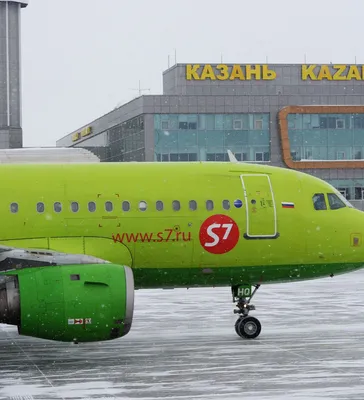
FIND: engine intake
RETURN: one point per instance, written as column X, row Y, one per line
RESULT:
column 9, row 300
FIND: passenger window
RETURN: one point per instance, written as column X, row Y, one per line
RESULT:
column 14, row 208
column 91, row 206
column 74, row 206
column 176, row 205
column 108, row 206
column 57, row 207
column 159, row 205
column 142, row 205
column 226, row 204
column 209, row 205
column 193, row 205
column 40, row 207
column 125, row 206
column 319, row 201
column 334, row 201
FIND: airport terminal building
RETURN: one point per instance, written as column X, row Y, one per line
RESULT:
column 306, row 117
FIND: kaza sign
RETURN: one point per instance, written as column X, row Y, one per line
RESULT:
column 332, row 72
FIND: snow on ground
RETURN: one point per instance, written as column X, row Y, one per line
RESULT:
column 183, row 346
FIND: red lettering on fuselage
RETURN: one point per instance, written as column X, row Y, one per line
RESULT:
column 169, row 235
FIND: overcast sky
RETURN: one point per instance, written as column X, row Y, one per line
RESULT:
column 80, row 58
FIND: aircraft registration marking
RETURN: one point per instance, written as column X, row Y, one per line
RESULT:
column 244, row 291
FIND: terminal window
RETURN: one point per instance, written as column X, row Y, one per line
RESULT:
column 326, row 136
column 207, row 137
column 241, row 156
column 176, row 157
column 258, row 124
column 359, row 193
column 238, row 124
column 340, row 124
column 260, row 156
column 357, row 155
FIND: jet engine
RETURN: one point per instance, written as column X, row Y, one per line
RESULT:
column 79, row 303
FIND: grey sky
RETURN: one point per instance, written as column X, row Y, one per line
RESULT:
column 80, row 58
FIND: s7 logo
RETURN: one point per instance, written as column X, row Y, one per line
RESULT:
column 219, row 234
column 216, row 237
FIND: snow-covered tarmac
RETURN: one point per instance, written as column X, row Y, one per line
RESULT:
column 183, row 346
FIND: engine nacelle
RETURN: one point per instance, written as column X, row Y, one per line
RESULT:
column 83, row 303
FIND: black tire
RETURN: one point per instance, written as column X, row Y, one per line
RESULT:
column 248, row 328
column 237, row 323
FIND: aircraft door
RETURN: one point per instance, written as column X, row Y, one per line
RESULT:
column 261, row 214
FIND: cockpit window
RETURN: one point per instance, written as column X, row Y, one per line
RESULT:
column 319, row 201
column 343, row 199
column 334, row 201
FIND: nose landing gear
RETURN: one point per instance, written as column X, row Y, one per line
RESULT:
column 246, row 327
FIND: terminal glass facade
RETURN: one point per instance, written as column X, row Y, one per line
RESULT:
column 122, row 142
column 126, row 141
column 207, row 137
column 326, row 136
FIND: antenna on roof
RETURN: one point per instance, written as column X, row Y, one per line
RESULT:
column 232, row 158
column 175, row 56
column 140, row 90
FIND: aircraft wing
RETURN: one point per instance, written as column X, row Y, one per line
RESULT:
column 13, row 258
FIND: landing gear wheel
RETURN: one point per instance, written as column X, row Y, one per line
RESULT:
column 237, row 323
column 248, row 327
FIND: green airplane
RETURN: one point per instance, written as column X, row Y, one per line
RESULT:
column 77, row 239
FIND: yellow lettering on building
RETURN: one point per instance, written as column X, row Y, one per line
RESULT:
column 75, row 136
column 324, row 73
column 308, row 72
column 339, row 75
column 208, row 73
column 268, row 74
column 336, row 72
column 224, row 72
column 192, row 72
column 353, row 73
column 86, row 131
column 253, row 70
column 237, row 73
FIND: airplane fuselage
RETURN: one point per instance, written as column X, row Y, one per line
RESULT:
column 182, row 224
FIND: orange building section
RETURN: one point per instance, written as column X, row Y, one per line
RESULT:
column 283, row 131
